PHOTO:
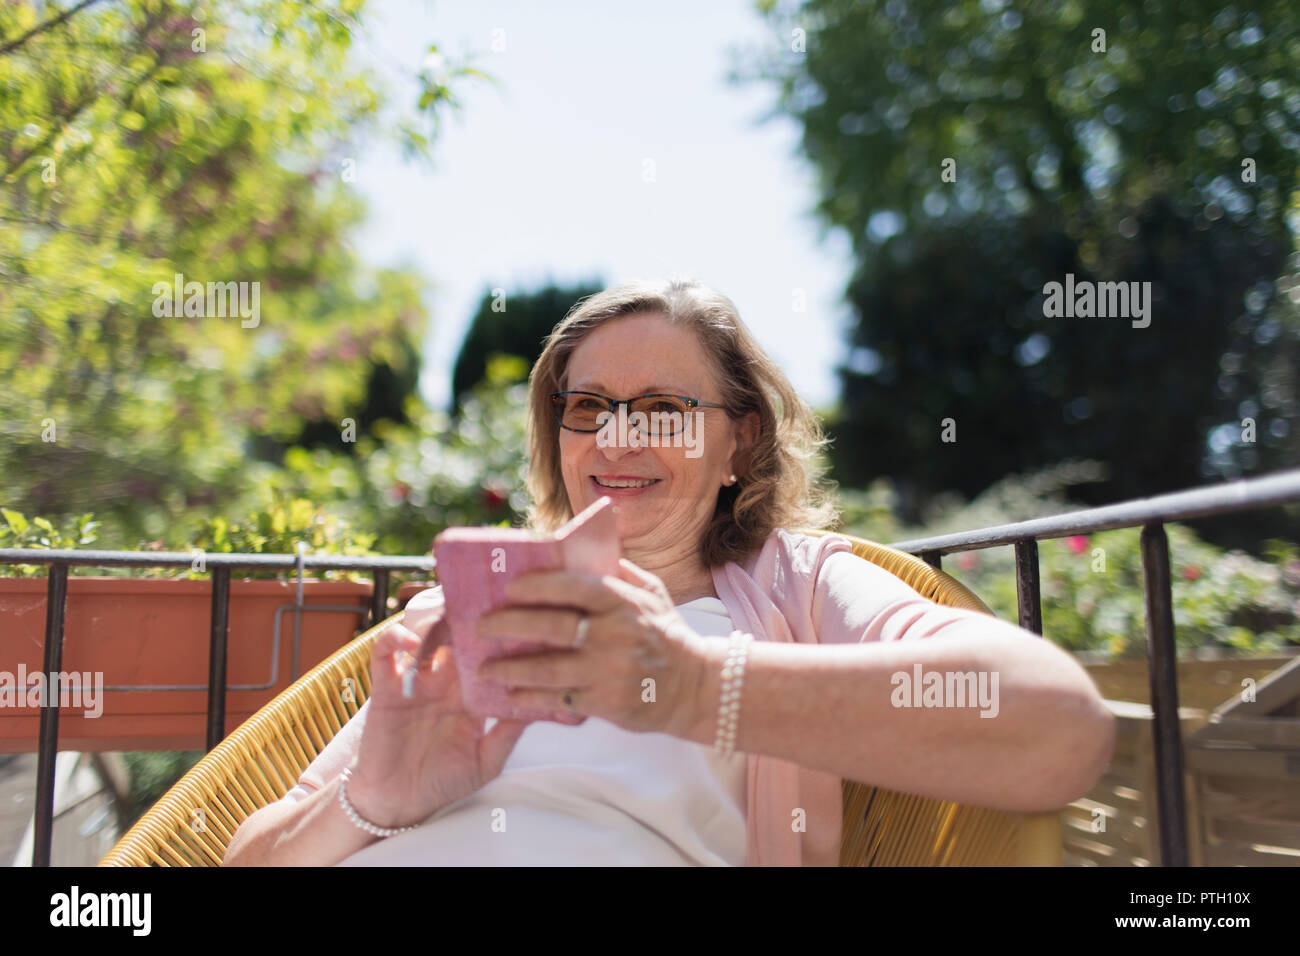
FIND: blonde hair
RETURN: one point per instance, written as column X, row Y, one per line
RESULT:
column 779, row 482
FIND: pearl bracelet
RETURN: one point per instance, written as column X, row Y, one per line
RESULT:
column 356, row 817
column 733, row 676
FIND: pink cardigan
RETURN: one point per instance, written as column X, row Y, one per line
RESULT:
column 813, row 589
column 797, row 587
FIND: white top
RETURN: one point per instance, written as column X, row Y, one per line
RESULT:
column 592, row 795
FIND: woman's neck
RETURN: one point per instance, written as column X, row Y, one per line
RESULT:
column 693, row 590
column 685, row 580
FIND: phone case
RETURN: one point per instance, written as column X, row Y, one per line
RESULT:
column 474, row 566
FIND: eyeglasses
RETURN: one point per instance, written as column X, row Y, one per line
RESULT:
column 665, row 415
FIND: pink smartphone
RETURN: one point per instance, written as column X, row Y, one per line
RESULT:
column 474, row 566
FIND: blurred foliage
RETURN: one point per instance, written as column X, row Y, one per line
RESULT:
column 277, row 530
column 411, row 481
column 152, row 774
column 402, row 486
column 387, row 391
column 18, row 531
column 1092, row 585
column 1127, row 162
column 280, row 529
column 213, row 140
column 516, row 324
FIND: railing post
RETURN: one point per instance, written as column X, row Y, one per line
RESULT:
column 1028, row 592
column 1162, row 664
column 56, row 599
column 217, row 655
column 933, row 558
column 379, row 599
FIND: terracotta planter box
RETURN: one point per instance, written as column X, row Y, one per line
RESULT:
column 409, row 590
column 153, row 631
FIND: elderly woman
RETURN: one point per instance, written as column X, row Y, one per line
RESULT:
column 775, row 660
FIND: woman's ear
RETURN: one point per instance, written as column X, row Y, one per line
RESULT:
column 746, row 435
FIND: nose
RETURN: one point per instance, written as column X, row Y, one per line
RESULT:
column 618, row 439
column 617, row 452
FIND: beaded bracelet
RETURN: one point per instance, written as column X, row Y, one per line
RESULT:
column 733, row 676
column 356, row 817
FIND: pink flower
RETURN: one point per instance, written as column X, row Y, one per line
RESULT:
column 966, row 560
column 1077, row 543
column 1192, row 572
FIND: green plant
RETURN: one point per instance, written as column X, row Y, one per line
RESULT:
column 1092, row 585
column 19, row 532
column 279, row 530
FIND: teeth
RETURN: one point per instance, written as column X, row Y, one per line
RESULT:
column 625, row 482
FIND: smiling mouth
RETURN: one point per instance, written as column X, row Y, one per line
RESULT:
column 624, row 482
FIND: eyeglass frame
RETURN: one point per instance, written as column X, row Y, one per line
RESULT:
column 613, row 404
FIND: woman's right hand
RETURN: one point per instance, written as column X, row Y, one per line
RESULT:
column 421, row 753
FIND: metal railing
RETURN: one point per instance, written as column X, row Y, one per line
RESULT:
column 1151, row 514
column 59, row 561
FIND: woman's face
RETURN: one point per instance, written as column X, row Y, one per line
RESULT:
column 674, row 488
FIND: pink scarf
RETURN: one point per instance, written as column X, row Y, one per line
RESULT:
column 771, row 597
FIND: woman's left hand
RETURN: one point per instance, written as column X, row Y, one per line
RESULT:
column 639, row 667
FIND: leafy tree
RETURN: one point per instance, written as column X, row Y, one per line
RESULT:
column 388, row 391
column 973, row 152
column 969, row 350
column 517, row 324
column 145, row 139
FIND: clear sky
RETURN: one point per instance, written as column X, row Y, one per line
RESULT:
column 541, row 177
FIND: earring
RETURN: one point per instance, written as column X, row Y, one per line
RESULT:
column 732, row 480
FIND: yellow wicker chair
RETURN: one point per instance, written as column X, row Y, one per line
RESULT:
column 193, row 823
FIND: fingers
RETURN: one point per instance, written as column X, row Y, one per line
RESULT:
column 633, row 582
column 391, row 657
column 495, row 746
column 632, row 574
column 635, row 593
column 439, row 636
column 547, row 670
column 549, row 700
column 553, row 626
column 557, row 601
column 396, row 656
column 393, row 642
column 438, row 678
column 588, row 592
